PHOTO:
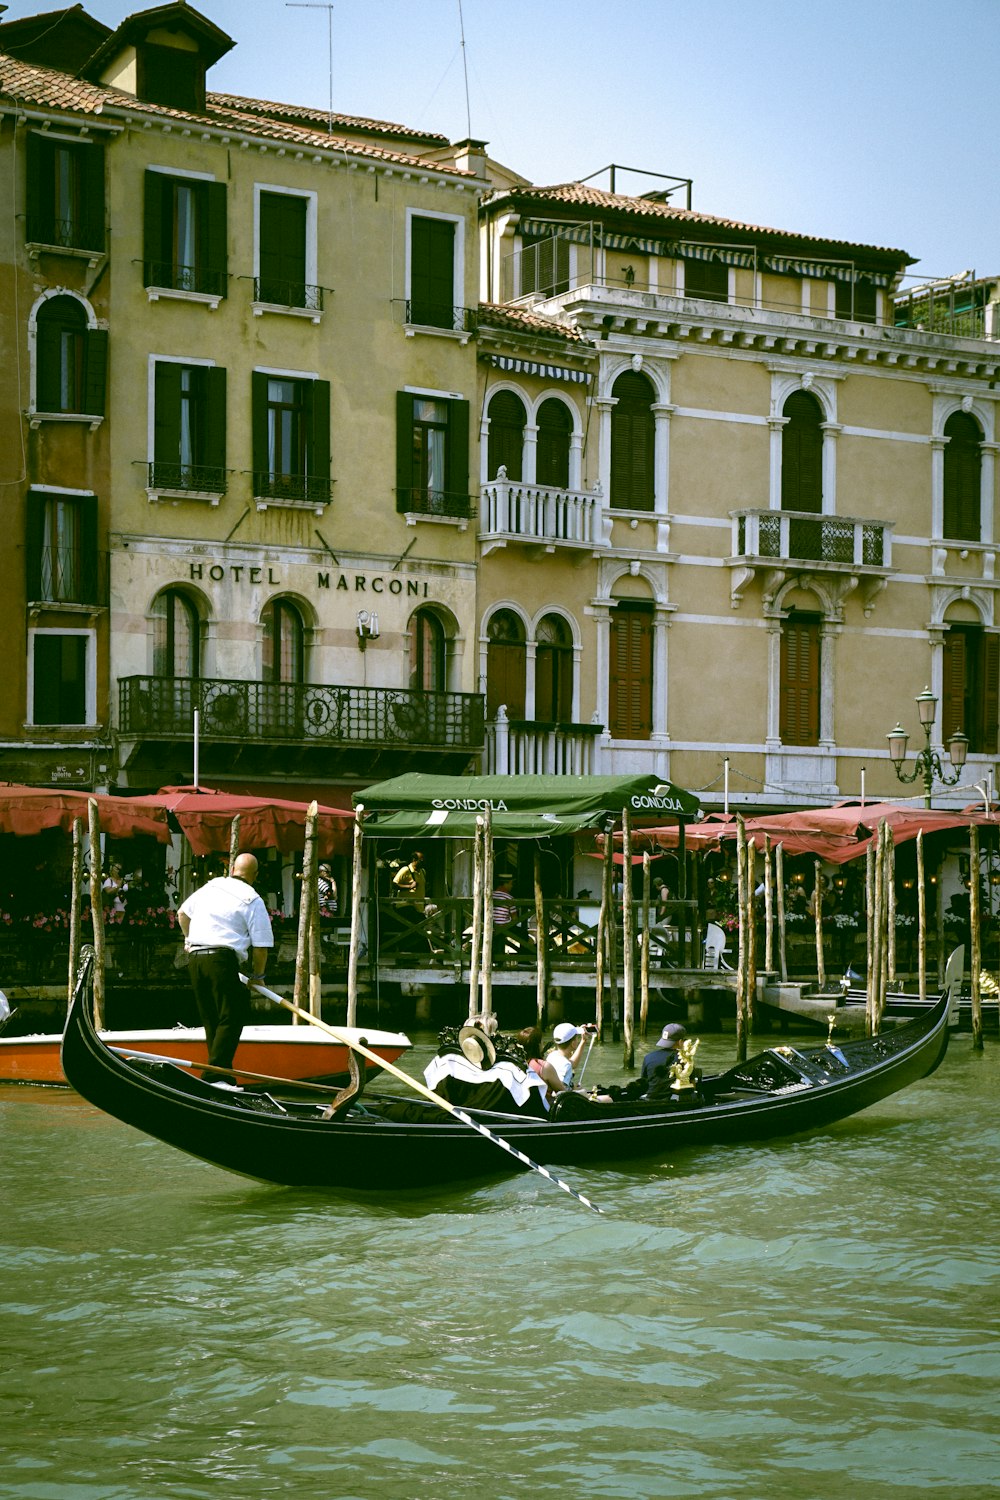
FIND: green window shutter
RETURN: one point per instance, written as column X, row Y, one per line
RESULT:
column 155, row 253
column 214, row 425
column 47, row 360
column 89, row 560
column 432, row 272
column 258, row 386
column 95, row 371
column 802, row 454
column 404, row 449
column 283, row 221
column 555, row 426
column 990, row 695
column 167, row 412
column 216, row 241
column 39, row 188
column 633, row 439
column 506, row 435
column 962, row 471
column 319, row 440
column 92, row 175
column 34, row 535
column 457, row 456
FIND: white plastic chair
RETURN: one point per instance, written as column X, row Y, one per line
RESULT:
column 715, row 947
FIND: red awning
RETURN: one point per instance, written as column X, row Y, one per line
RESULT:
column 28, row 810
column 205, row 818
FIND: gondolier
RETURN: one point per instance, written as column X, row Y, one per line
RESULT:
column 226, row 927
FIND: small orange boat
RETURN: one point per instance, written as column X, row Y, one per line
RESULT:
column 301, row 1053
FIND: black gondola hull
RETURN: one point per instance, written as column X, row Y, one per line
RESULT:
column 292, row 1145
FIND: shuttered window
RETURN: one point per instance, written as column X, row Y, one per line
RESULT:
column 432, row 272
column 291, row 438
column 506, row 435
column 185, row 234
column 630, row 689
column 62, row 561
column 800, row 680
column 189, row 427
column 506, row 657
column 545, row 267
column 707, row 279
column 553, row 671
column 70, row 360
column 555, row 427
column 962, row 473
column 282, row 230
column 971, row 687
column 632, row 443
column 432, row 455
column 855, row 300
column 60, row 679
column 65, row 193
column 802, row 454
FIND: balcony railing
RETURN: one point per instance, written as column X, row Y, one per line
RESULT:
column 65, row 575
column 420, row 501
column 545, row 516
column 522, row 747
column 206, row 479
column 425, row 314
column 80, row 232
column 798, row 536
column 299, row 713
column 291, row 489
column 205, row 280
column 288, row 293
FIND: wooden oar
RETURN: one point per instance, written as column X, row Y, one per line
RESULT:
column 420, row 1088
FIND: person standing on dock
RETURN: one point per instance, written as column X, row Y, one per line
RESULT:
column 225, row 924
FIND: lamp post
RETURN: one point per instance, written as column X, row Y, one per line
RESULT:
column 928, row 761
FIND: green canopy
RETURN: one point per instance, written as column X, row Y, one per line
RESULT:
column 421, row 806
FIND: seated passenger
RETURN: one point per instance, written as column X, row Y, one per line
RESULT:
column 563, row 1057
column 656, row 1065
column 531, row 1040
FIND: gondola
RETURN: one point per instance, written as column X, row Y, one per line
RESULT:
column 385, row 1142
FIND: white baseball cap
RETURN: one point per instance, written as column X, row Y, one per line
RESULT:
column 565, row 1032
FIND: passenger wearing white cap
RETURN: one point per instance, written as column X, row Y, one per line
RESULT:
column 569, row 1042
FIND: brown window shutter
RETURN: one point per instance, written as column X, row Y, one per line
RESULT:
column 990, row 711
column 799, row 706
column 955, row 672
column 630, row 698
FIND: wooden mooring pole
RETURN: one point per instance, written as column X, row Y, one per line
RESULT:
column 628, row 944
column 644, row 950
column 541, row 943
column 74, row 909
column 355, row 948
column 921, row 921
column 974, row 930
column 475, row 952
column 741, row 959
column 96, row 909
column 779, row 880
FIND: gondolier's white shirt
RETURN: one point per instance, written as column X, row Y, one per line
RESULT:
column 227, row 913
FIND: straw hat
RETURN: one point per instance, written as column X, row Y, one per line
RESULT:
column 477, row 1047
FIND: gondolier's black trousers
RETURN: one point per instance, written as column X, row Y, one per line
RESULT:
column 223, row 1002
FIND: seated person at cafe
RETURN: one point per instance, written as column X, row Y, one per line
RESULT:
column 504, row 915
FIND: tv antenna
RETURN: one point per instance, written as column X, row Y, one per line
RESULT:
column 323, row 5
column 465, row 69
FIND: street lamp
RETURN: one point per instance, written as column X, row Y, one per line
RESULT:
column 929, row 764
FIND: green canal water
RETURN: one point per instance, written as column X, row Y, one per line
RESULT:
column 811, row 1319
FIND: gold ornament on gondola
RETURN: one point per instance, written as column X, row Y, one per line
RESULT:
column 681, row 1070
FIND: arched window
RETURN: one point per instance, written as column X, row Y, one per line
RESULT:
column 428, row 652
column 802, row 454
column 176, row 636
column 62, row 346
column 553, row 671
column 962, row 468
column 555, row 426
column 283, row 644
column 799, row 707
column 971, row 682
column 630, row 686
column 506, row 435
column 506, row 655
column 632, row 441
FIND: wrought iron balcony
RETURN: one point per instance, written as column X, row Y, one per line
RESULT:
column 205, row 280
column 291, row 489
column 421, row 501
column 539, row 515
column 298, row 294
column 299, row 713
column 59, row 576
column 84, row 231
column 203, row 479
column 842, row 542
column 423, row 313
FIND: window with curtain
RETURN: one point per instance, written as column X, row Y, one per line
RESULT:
column 506, row 660
column 971, row 683
column 799, row 707
column 189, row 427
column 62, row 561
column 432, row 455
column 630, row 685
column 283, row 642
column 185, row 243
column 505, row 446
column 428, row 652
column 65, row 192
column 632, row 442
column 802, row 454
column 291, row 439
column 962, row 474
column 176, row 635
column 555, row 428
column 553, row 671
column 71, row 359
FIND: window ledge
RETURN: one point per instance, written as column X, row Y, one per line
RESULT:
column 35, row 248
column 178, row 294
column 36, row 418
column 268, row 502
column 38, row 607
column 312, row 314
column 414, row 517
column 173, row 497
column 460, row 335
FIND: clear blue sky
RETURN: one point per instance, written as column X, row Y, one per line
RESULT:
column 866, row 120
